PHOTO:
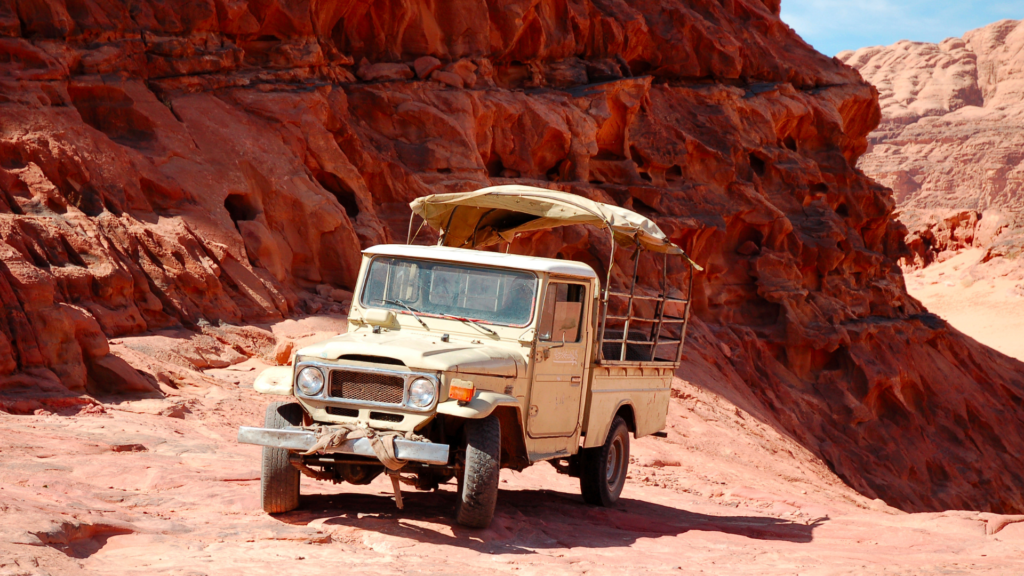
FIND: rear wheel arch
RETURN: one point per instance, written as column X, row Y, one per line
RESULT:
column 627, row 413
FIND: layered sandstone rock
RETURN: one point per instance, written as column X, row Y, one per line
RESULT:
column 212, row 163
column 951, row 138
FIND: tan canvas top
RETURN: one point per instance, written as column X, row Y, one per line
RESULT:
column 490, row 215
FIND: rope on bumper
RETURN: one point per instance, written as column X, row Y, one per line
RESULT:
column 382, row 441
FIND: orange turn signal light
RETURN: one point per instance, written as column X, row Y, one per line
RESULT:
column 461, row 390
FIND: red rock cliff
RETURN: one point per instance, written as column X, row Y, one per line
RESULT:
column 168, row 163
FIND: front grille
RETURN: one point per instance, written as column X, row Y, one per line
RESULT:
column 350, row 412
column 367, row 386
column 385, row 417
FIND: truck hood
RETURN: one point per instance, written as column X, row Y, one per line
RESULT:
column 423, row 352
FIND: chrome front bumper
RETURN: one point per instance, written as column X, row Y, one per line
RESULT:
column 298, row 439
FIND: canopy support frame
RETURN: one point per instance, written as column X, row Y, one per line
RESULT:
column 607, row 292
column 686, row 314
column 656, row 328
column 629, row 305
column 410, row 237
column 448, row 226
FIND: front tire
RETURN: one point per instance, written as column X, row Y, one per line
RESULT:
column 603, row 473
column 478, row 477
column 279, row 480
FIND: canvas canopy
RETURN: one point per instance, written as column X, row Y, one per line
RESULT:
column 491, row 215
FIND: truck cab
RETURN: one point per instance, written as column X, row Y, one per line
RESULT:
column 459, row 361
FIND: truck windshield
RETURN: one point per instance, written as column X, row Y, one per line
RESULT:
column 488, row 295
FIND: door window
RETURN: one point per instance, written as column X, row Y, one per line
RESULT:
column 563, row 313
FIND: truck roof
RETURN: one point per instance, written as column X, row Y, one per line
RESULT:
column 485, row 258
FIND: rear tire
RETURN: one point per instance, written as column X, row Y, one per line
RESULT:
column 279, row 480
column 478, row 480
column 603, row 473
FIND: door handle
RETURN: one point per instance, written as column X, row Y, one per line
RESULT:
column 558, row 345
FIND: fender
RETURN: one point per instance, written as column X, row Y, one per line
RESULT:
column 600, row 439
column 276, row 380
column 483, row 403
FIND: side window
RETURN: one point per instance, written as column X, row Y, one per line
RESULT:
column 563, row 312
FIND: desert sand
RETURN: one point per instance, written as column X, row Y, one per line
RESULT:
column 986, row 302
column 159, row 486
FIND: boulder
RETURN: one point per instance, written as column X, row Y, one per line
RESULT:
column 426, row 65
column 449, row 78
column 465, row 69
column 384, row 71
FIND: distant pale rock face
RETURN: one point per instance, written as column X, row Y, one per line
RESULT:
column 952, row 137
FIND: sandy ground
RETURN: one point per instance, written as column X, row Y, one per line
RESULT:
column 159, row 486
column 984, row 301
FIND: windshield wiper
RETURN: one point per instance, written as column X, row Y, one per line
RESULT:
column 472, row 322
column 411, row 310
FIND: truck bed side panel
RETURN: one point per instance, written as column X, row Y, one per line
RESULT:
column 646, row 389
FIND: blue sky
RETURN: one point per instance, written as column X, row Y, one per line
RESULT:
column 832, row 26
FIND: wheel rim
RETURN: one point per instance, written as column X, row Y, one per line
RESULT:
column 614, row 467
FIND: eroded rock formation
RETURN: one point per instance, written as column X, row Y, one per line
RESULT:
column 170, row 163
column 951, row 138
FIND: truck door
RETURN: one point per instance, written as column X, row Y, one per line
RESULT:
column 560, row 361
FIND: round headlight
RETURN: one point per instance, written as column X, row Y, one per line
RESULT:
column 421, row 392
column 310, row 381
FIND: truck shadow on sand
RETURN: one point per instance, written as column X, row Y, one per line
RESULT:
column 527, row 520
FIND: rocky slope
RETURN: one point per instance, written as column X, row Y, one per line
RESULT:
column 951, row 137
column 212, row 163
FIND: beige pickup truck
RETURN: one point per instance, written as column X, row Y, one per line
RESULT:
column 458, row 361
